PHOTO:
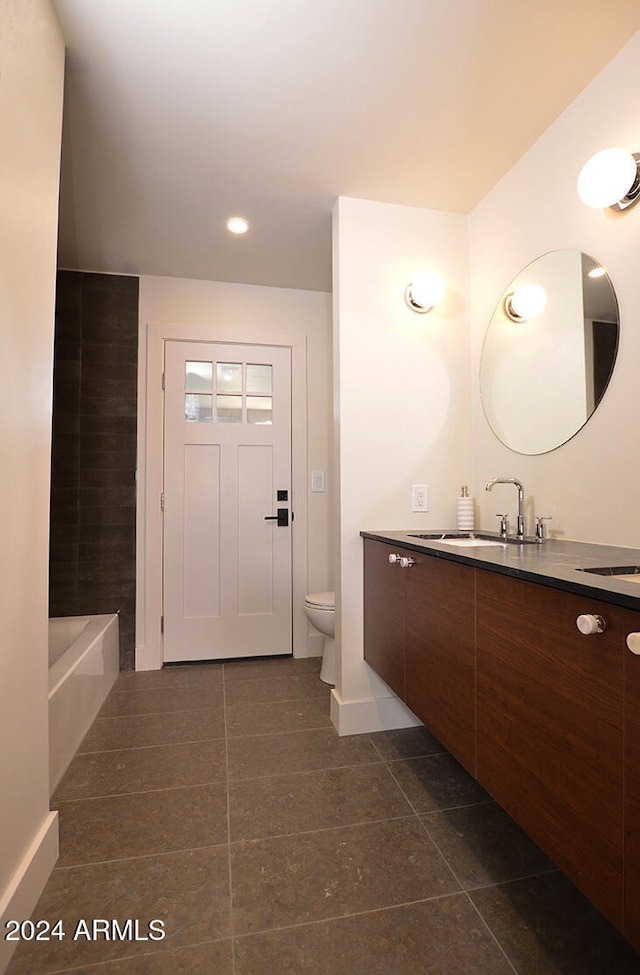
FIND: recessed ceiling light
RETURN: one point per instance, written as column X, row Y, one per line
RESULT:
column 237, row 225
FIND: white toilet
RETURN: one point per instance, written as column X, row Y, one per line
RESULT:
column 320, row 608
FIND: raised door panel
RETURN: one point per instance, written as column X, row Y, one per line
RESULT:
column 384, row 586
column 550, row 735
column 440, row 652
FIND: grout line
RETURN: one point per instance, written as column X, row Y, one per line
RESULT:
column 139, row 856
column 402, row 758
column 160, row 744
column 513, row 880
column 424, row 812
column 310, row 698
column 142, row 792
column 493, row 936
column 342, row 917
column 270, row 702
column 139, row 748
column 125, row 958
column 323, row 829
column 293, row 731
column 265, row 777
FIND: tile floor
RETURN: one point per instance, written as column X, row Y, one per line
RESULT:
column 219, row 800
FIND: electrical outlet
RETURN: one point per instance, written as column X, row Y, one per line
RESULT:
column 420, row 497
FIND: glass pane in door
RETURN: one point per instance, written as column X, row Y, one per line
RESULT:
column 229, row 377
column 259, row 378
column 259, row 409
column 229, row 409
column 199, row 377
column 198, row 408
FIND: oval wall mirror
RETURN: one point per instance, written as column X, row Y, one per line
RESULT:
column 549, row 351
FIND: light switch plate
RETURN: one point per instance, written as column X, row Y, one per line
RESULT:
column 317, row 482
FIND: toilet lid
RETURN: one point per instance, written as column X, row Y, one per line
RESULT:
column 326, row 600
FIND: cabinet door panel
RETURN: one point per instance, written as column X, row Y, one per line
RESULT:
column 550, row 736
column 440, row 652
column 384, row 586
column 632, row 789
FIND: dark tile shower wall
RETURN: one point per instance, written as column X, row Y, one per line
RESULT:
column 93, row 500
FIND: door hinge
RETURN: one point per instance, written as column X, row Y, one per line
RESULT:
column 164, row 381
column 162, row 501
column 162, row 624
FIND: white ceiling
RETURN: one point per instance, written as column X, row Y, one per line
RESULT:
column 180, row 113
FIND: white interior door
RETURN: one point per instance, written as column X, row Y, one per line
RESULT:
column 227, row 501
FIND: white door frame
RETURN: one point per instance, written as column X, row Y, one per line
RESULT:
column 149, row 650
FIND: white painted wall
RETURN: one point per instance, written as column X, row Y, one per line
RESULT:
column 401, row 410
column 31, row 82
column 217, row 311
column 589, row 485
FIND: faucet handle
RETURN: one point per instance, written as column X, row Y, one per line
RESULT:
column 541, row 528
column 504, row 524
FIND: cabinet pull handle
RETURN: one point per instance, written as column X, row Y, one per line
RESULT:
column 406, row 563
column 394, row 559
column 633, row 642
column 591, row 623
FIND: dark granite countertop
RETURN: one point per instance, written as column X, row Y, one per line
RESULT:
column 554, row 562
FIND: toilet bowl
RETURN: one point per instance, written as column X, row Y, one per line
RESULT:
column 320, row 608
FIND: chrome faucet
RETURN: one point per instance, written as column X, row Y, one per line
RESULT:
column 512, row 480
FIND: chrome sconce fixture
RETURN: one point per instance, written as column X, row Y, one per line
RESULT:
column 525, row 302
column 611, row 179
column 424, row 292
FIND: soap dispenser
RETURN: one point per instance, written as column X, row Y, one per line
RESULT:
column 465, row 511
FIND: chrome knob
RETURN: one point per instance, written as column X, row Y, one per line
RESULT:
column 591, row 623
column 633, row 642
column 405, row 562
column 393, row 558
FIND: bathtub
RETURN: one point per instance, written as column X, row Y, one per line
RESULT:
column 83, row 665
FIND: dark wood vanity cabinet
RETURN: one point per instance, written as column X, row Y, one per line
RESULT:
column 632, row 790
column 547, row 718
column 440, row 653
column 384, row 597
column 418, row 636
column 550, row 726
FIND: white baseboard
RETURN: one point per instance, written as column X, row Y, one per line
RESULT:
column 311, row 647
column 372, row 714
column 21, row 896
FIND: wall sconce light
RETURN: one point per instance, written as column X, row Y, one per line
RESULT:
column 425, row 292
column 525, row 302
column 610, row 179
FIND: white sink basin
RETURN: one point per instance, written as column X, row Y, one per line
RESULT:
column 629, row 573
column 468, row 542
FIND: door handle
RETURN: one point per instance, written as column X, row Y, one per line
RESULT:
column 282, row 517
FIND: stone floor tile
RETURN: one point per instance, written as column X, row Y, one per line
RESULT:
column 441, row 937
column 187, row 891
column 436, row 782
column 313, row 876
column 143, row 769
column 145, row 823
column 483, row 845
column 304, row 801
